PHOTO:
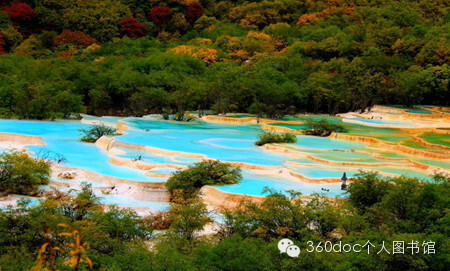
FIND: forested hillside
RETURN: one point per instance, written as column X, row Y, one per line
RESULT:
column 271, row 57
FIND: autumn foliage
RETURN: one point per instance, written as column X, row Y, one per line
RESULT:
column 324, row 14
column 207, row 55
column 194, row 11
column 132, row 28
column 2, row 44
column 75, row 250
column 77, row 38
column 160, row 14
column 20, row 13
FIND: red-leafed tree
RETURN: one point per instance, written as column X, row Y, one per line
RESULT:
column 20, row 13
column 74, row 37
column 160, row 14
column 194, row 11
column 132, row 28
column 2, row 44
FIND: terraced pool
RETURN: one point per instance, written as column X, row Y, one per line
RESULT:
column 229, row 143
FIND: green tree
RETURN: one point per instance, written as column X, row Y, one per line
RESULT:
column 272, row 137
column 22, row 174
column 367, row 189
column 209, row 172
column 96, row 131
column 99, row 19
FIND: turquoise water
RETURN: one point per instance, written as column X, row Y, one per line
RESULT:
column 226, row 142
column 253, row 184
column 377, row 121
column 325, row 143
column 130, row 202
column 62, row 137
column 229, row 143
column 412, row 110
column 109, row 119
column 419, row 111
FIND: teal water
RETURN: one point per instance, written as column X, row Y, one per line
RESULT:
column 229, row 143
column 62, row 137
column 386, row 122
column 109, row 119
column 226, row 142
column 253, row 184
column 413, row 110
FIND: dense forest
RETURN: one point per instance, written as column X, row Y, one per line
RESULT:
column 77, row 233
column 271, row 57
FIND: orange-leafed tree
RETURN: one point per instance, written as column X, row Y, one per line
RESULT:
column 72, row 250
column 324, row 14
column 207, row 55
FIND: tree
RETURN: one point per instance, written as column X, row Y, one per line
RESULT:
column 367, row 189
column 272, row 137
column 323, row 128
column 161, row 14
column 97, row 18
column 148, row 101
column 76, row 38
column 68, row 103
column 20, row 13
column 188, row 216
column 412, row 86
column 281, row 214
column 95, row 132
column 22, row 174
column 209, row 172
column 132, row 28
column 2, row 44
column 194, row 11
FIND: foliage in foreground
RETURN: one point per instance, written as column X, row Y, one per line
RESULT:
column 399, row 209
column 93, row 133
column 323, row 128
column 203, row 173
column 267, row 137
column 21, row 173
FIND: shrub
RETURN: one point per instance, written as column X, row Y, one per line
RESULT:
column 203, row 173
column 272, row 137
column 21, row 174
column 95, row 132
column 323, row 128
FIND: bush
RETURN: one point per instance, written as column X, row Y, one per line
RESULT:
column 323, row 128
column 272, row 137
column 95, row 132
column 21, row 174
column 203, row 173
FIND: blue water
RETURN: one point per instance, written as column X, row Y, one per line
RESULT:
column 253, row 184
column 109, row 119
column 376, row 121
column 226, row 142
column 413, row 110
column 229, row 143
column 130, row 202
column 63, row 137
column 326, row 143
